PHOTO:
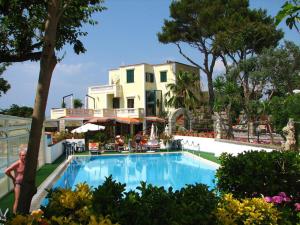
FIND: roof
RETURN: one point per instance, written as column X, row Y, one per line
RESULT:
column 159, row 64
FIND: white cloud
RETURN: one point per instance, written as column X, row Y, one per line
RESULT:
column 219, row 67
column 73, row 69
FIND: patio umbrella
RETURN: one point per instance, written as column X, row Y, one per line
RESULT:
column 88, row 127
column 152, row 133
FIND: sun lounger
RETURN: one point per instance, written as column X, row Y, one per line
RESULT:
column 94, row 147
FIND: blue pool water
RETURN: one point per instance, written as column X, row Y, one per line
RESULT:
column 172, row 169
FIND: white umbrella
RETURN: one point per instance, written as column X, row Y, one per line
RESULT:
column 87, row 127
column 152, row 133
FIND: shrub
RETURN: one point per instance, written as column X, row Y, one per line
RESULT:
column 232, row 211
column 70, row 205
column 253, row 173
column 149, row 205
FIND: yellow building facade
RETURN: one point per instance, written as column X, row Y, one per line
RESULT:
column 135, row 91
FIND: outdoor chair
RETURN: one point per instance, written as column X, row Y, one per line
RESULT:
column 80, row 146
column 94, row 147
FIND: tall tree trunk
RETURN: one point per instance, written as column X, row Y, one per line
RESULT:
column 210, row 91
column 47, row 65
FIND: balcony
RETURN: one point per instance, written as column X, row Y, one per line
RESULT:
column 127, row 112
column 130, row 113
column 58, row 113
column 114, row 89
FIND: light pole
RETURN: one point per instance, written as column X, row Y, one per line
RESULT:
column 93, row 99
column 63, row 101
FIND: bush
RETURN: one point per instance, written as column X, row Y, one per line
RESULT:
column 152, row 205
column 72, row 205
column 149, row 205
column 253, row 173
column 247, row 211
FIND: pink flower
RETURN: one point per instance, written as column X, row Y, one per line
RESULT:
column 297, row 207
column 282, row 194
column 277, row 199
column 268, row 199
column 287, row 199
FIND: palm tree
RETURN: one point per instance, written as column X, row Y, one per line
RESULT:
column 184, row 93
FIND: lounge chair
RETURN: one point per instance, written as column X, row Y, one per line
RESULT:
column 94, row 147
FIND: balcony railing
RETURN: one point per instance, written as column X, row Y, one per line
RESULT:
column 125, row 112
column 58, row 113
column 104, row 113
column 131, row 113
column 114, row 89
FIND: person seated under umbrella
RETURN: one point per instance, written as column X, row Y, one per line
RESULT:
column 119, row 143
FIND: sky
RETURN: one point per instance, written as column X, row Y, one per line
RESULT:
column 126, row 34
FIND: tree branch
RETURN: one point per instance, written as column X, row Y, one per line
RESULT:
column 34, row 56
column 189, row 59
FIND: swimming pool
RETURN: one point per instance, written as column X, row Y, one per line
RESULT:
column 163, row 169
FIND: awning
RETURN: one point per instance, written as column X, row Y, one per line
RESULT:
column 101, row 119
column 128, row 120
column 155, row 119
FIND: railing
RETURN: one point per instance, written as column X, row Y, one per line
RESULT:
column 108, row 89
column 58, row 113
column 130, row 112
column 104, row 113
column 14, row 133
column 125, row 112
column 80, row 112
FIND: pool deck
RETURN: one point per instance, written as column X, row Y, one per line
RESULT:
column 48, row 183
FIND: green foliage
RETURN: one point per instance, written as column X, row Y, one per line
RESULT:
column 15, row 110
column 77, row 103
column 283, row 108
column 227, row 96
column 98, row 136
column 150, row 205
column 72, row 205
column 281, row 67
column 4, row 85
column 22, row 27
column 185, row 93
column 232, row 211
column 107, row 197
column 253, row 173
column 291, row 10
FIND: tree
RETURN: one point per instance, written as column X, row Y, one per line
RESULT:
column 15, row 110
column 4, row 85
column 184, row 92
column 77, row 103
column 228, row 30
column 290, row 10
column 35, row 30
column 282, row 68
column 228, row 100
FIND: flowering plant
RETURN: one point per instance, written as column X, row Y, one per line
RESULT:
column 283, row 201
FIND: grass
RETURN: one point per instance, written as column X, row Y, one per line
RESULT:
column 8, row 200
column 206, row 155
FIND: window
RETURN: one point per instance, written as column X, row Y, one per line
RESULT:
column 163, row 76
column 116, row 103
column 130, row 103
column 130, row 76
column 150, row 77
